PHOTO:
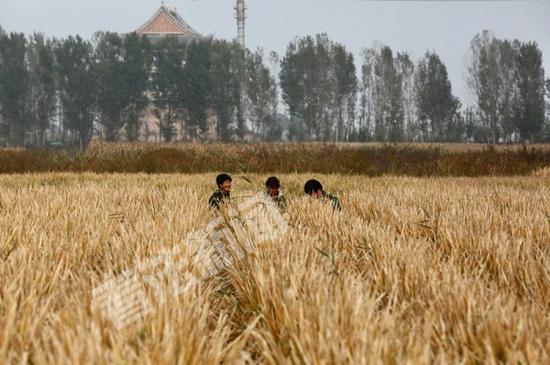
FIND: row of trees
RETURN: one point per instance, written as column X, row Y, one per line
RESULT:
column 191, row 83
column 43, row 79
column 403, row 101
column 507, row 80
column 396, row 99
column 198, row 91
column 104, row 86
column 319, row 86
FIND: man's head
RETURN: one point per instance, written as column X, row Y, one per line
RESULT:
column 224, row 182
column 313, row 188
column 272, row 185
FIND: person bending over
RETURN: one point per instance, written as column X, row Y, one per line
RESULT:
column 314, row 189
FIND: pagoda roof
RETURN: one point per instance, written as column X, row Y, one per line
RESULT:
column 167, row 21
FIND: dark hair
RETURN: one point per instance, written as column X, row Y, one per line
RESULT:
column 272, row 183
column 312, row 186
column 221, row 178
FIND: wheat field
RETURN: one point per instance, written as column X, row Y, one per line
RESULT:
column 411, row 271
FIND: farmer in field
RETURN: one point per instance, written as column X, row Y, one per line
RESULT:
column 223, row 194
column 273, row 191
column 314, row 189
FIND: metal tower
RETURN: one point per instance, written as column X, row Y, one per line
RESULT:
column 240, row 9
column 240, row 15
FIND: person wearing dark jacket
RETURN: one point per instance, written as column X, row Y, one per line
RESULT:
column 223, row 194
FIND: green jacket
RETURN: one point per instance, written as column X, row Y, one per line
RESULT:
column 333, row 199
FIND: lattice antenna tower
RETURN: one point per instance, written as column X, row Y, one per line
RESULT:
column 240, row 15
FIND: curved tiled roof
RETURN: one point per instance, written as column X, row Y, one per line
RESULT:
column 167, row 21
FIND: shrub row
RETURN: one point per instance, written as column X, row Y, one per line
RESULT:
column 283, row 158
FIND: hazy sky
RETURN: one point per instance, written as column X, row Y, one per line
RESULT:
column 413, row 26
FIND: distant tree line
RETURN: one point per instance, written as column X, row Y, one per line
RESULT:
column 73, row 89
column 507, row 80
column 401, row 101
column 319, row 87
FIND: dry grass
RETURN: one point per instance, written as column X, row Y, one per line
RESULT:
column 543, row 172
column 101, row 147
column 363, row 159
column 438, row 270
